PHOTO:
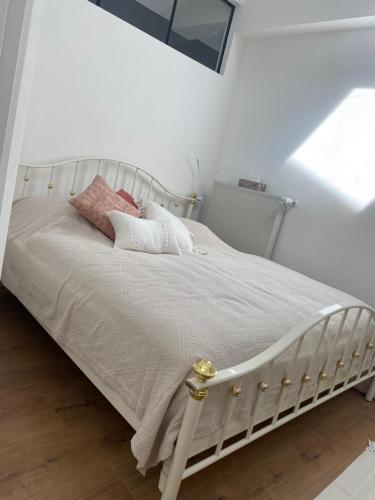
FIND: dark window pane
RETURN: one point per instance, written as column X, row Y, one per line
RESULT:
column 151, row 16
column 199, row 29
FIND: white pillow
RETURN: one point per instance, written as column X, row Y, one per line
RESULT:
column 141, row 235
column 154, row 211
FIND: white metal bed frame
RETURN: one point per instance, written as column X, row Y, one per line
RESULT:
column 114, row 171
column 334, row 375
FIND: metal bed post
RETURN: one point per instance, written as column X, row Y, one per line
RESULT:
column 370, row 394
column 170, row 479
column 190, row 206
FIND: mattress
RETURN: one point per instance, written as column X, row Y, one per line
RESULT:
column 139, row 321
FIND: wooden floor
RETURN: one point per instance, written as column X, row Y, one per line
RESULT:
column 60, row 439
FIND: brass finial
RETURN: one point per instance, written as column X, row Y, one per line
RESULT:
column 356, row 355
column 323, row 376
column 199, row 395
column 263, row 386
column 286, row 382
column 370, row 346
column 193, row 198
column 340, row 364
column 204, row 370
column 236, row 391
column 306, row 379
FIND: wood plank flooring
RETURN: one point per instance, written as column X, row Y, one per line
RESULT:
column 61, row 440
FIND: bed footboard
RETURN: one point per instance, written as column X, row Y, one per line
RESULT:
column 341, row 342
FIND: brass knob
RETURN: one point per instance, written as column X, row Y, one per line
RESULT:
column 50, row 186
column 236, row 391
column 306, row 379
column 263, row 387
column 286, row 382
column 199, row 395
column 323, row 376
column 356, row 355
column 340, row 364
column 72, row 193
column 370, row 346
column 26, row 178
column 204, row 370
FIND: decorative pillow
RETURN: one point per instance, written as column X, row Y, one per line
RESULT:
column 152, row 210
column 98, row 199
column 127, row 197
column 141, row 235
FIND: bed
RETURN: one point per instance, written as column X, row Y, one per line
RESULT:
column 266, row 343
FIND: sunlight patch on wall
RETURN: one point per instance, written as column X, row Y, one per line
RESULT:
column 341, row 151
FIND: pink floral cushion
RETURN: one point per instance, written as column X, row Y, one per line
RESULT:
column 98, row 199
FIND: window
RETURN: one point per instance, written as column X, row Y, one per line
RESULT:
column 198, row 29
column 151, row 16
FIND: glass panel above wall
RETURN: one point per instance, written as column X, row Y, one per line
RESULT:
column 199, row 30
column 151, row 16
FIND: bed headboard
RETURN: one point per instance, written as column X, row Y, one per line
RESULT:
column 73, row 176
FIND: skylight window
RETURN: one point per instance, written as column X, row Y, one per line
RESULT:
column 341, row 152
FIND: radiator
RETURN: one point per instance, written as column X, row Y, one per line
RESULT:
column 247, row 220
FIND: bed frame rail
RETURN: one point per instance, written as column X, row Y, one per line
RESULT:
column 73, row 176
column 349, row 333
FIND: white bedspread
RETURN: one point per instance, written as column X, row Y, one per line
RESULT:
column 140, row 321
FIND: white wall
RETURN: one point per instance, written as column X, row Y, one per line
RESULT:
column 102, row 87
column 258, row 15
column 286, row 89
column 3, row 15
column 19, row 22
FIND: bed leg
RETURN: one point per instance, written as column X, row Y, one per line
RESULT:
column 164, row 474
column 171, row 475
column 370, row 394
column 173, row 469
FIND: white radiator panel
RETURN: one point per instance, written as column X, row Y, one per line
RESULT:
column 247, row 220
